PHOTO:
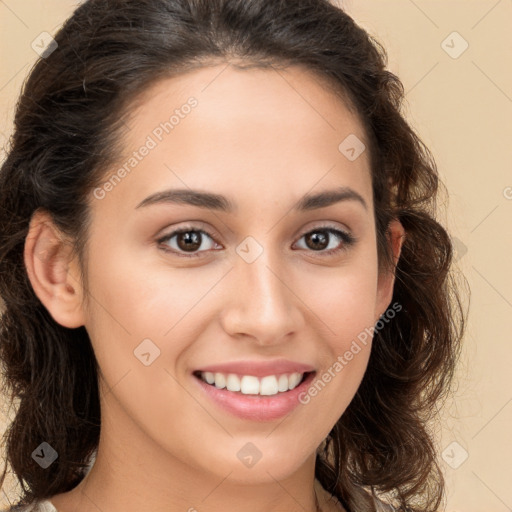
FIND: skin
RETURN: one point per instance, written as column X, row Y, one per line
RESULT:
column 262, row 138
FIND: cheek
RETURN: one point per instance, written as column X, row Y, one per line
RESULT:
column 152, row 317
column 349, row 311
column 344, row 306
column 343, row 300
column 136, row 300
column 140, row 324
column 142, row 321
column 346, row 320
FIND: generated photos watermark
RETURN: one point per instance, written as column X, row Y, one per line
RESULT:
column 152, row 140
column 343, row 360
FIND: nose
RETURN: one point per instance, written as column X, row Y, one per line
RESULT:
column 262, row 305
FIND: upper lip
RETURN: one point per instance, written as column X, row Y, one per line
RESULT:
column 258, row 368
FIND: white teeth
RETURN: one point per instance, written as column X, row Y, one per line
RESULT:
column 233, row 382
column 282, row 383
column 250, row 385
column 220, row 380
column 268, row 385
column 294, row 380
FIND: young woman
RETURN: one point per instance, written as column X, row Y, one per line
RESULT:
column 224, row 284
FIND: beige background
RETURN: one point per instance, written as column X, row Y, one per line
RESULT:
column 462, row 108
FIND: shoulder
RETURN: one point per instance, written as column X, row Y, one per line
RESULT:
column 381, row 506
column 38, row 506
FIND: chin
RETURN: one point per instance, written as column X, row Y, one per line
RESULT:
column 266, row 465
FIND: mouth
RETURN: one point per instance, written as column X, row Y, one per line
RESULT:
column 254, row 398
column 269, row 385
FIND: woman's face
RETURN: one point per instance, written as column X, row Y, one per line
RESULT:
column 264, row 282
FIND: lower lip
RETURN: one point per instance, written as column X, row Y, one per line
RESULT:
column 256, row 407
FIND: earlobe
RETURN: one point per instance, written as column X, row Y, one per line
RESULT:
column 47, row 256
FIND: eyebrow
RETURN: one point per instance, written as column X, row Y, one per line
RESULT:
column 221, row 203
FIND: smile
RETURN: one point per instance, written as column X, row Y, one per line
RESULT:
column 251, row 385
column 269, row 395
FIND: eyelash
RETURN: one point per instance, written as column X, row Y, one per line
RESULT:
column 348, row 240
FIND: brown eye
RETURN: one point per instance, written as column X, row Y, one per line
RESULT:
column 317, row 240
column 187, row 240
column 321, row 239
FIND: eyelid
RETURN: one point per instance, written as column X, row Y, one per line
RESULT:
column 193, row 225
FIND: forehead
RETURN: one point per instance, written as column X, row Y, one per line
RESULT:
column 224, row 129
column 290, row 93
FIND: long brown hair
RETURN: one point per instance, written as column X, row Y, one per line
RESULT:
column 68, row 128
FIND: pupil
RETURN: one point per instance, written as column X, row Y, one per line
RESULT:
column 192, row 240
column 318, row 237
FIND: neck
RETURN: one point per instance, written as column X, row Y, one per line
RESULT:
column 106, row 487
column 131, row 479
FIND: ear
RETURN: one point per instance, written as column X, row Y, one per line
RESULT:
column 52, row 273
column 396, row 236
